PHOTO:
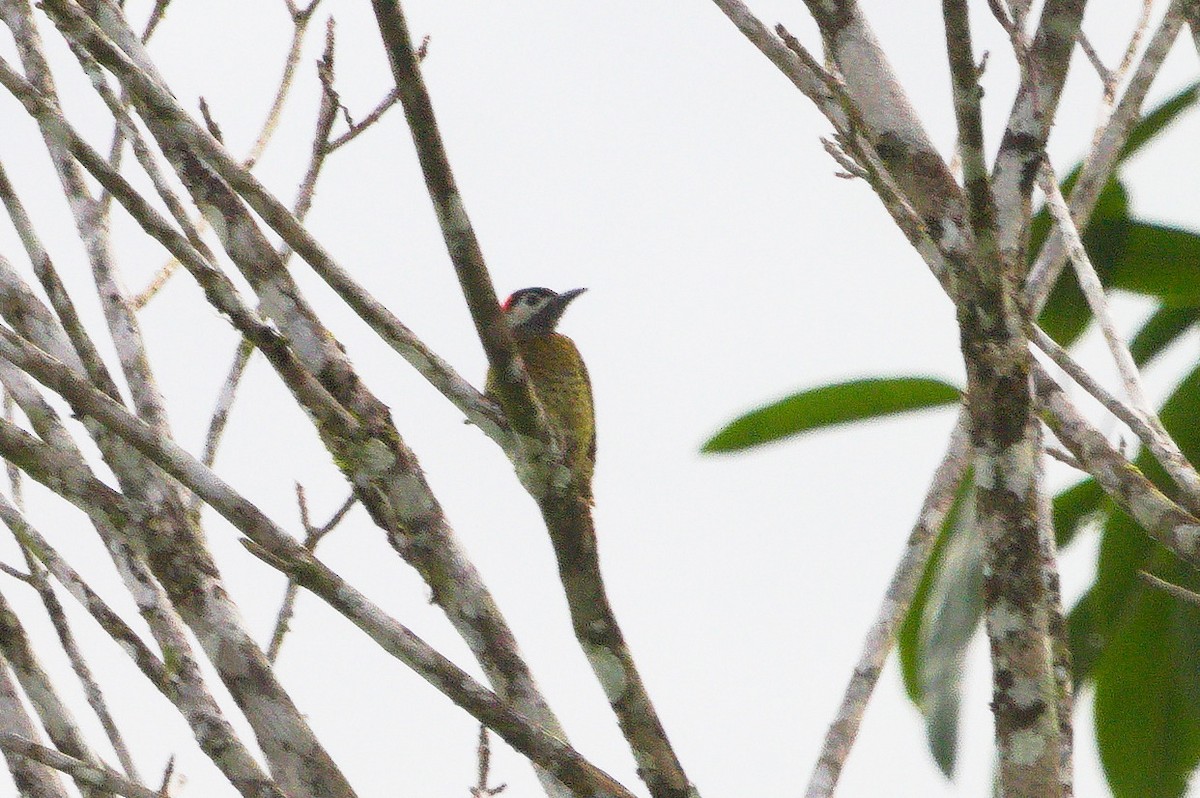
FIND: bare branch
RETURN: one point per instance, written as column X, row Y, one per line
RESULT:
column 1030, row 120
column 483, row 756
column 17, row 653
column 74, row 346
column 177, row 123
column 1106, row 75
column 1161, row 518
column 1100, row 162
column 300, row 21
column 276, row 548
column 1150, row 428
column 1178, row 591
column 220, row 416
column 565, row 508
column 1135, row 41
column 312, row 537
column 36, row 780
column 851, row 167
column 882, row 635
column 66, row 637
column 157, row 14
column 182, row 684
column 1007, row 452
column 122, row 322
column 360, row 127
column 513, row 388
column 94, row 775
column 1065, row 457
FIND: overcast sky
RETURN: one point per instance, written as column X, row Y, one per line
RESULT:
column 643, row 149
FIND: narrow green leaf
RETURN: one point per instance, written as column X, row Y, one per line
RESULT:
column 1147, row 691
column 911, row 635
column 1084, row 639
column 839, row 403
column 1073, row 507
column 1100, row 615
column 1161, row 261
column 953, row 615
column 1152, row 123
column 940, row 624
column 1139, row 645
column 1161, row 330
column 1066, row 314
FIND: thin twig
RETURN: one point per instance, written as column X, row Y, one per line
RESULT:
column 164, row 788
column 1093, row 290
column 1157, row 441
column 840, row 737
column 1178, row 591
column 357, row 128
column 565, row 509
column 97, row 776
column 1158, row 516
column 300, row 20
column 851, row 167
column 1100, row 162
column 66, row 638
column 220, row 416
column 1193, row 20
column 157, row 14
column 1064, row 457
column 210, row 122
column 483, row 756
column 15, row 484
column 312, row 537
column 1106, row 75
column 142, row 152
column 14, row 573
column 1135, row 41
column 1154, row 434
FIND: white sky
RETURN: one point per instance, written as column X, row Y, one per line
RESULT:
column 647, row 151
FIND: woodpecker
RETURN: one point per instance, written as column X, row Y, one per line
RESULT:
column 558, row 375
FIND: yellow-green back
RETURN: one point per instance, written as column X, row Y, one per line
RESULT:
column 561, row 382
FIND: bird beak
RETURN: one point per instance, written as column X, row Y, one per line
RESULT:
column 566, row 296
column 555, row 310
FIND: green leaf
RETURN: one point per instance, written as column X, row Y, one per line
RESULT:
column 1084, row 639
column 1160, row 331
column 1140, row 645
column 1147, row 686
column 1152, row 123
column 829, row 405
column 910, row 636
column 1161, row 261
column 1066, row 314
column 1074, row 507
column 940, row 624
column 1100, row 615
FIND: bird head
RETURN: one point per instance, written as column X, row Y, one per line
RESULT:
column 536, row 311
